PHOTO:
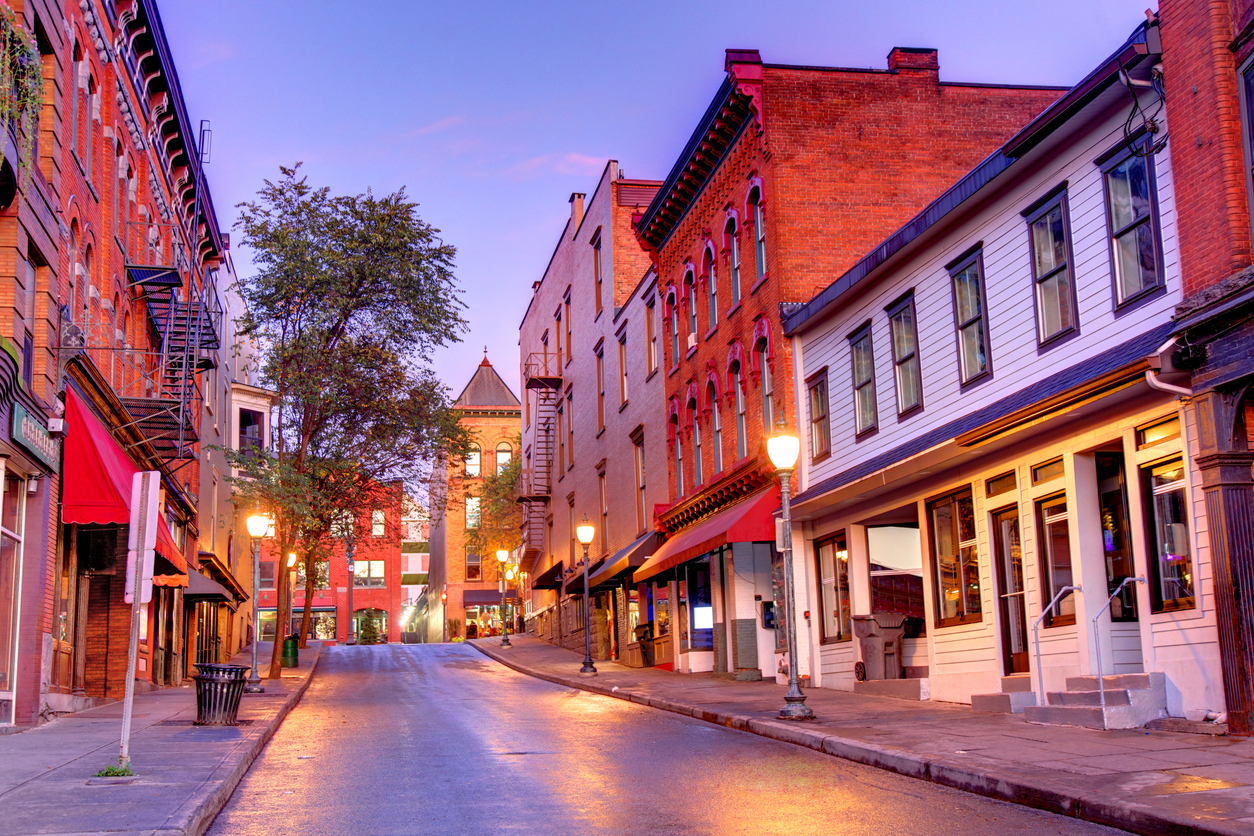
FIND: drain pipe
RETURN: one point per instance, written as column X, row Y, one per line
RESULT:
column 1156, row 364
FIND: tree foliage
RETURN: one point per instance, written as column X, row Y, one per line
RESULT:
column 500, row 515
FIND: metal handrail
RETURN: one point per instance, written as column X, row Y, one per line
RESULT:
column 1036, row 637
column 1097, row 642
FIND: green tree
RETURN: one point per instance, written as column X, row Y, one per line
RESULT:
column 500, row 515
column 350, row 296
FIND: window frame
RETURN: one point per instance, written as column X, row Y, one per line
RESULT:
column 904, row 303
column 759, row 233
column 637, row 442
column 1056, row 197
column 678, row 457
column 768, row 385
column 475, row 452
column 973, row 257
column 716, row 428
column 966, row 616
column 818, row 380
column 506, row 448
column 477, row 563
column 673, row 321
column 695, row 409
column 378, row 523
column 597, row 273
column 841, row 636
column 566, row 323
column 472, row 509
column 863, row 333
column 1158, row 603
column 600, row 372
column 738, row 397
column 690, row 280
column 370, row 576
column 622, row 371
column 1044, row 559
column 650, row 337
column 711, row 281
column 731, row 231
column 1107, row 163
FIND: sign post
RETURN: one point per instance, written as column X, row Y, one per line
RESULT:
column 141, row 540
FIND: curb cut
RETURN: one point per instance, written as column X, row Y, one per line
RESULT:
column 1016, row 789
column 198, row 820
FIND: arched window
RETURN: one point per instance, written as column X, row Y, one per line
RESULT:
column 738, row 396
column 71, row 301
column 504, row 453
column 711, row 278
column 472, row 460
column 679, row 456
column 90, row 114
column 673, row 302
column 75, row 95
column 716, row 427
column 768, row 386
column 695, row 412
column 759, row 231
column 733, row 248
column 691, row 289
column 84, row 291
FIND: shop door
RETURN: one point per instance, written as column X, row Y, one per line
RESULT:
column 1115, row 541
column 1012, row 598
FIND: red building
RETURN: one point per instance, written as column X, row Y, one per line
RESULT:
column 791, row 174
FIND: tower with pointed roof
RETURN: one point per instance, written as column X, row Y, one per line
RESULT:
column 462, row 586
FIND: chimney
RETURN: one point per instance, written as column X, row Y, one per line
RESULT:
column 576, row 210
column 913, row 58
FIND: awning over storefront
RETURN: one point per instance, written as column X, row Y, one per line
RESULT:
column 749, row 521
column 485, row 597
column 574, row 584
column 625, row 560
column 550, row 578
column 201, row 588
column 96, row 485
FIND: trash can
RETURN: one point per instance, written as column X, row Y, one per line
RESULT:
column 879, row 639
column 291, row 651
column 218, row 692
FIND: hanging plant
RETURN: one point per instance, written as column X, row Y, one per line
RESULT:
column 21, row 86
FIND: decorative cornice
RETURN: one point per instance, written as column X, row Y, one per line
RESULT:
column 747, row 477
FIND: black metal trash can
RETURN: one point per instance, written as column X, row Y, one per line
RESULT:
column 219, row 689
column 291, row 651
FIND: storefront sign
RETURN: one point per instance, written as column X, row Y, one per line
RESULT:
column 29, row 432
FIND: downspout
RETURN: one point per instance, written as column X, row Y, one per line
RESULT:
column 1156, row 364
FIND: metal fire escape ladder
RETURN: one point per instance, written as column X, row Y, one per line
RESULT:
column 543, row 377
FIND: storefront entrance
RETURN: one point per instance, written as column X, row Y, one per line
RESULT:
column 1012, row 596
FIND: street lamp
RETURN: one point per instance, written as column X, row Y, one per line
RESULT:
column 501, row 557
column 783, row 448
column 585, row 532
column 511, row 574
column 258, row 525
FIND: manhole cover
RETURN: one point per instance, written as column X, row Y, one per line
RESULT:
column 193, row 723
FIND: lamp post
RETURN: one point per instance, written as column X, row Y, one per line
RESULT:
column 350, row 636
column 501, row 557
column 291, row 593
column 510, row 575
column 258, row 524
column 585, row 532
column 783, row 448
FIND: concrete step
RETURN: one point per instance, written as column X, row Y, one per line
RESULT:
column 1123, row 680
column 902, row 689
column 1065, row 715
column 1004, row 703
column 1016, row 683
column 1117, row 696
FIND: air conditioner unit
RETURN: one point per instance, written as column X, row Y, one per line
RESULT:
column 692, row 340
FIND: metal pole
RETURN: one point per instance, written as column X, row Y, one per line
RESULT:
column 504, row 623
column 588, row 668
column 795, row 707
column 351, row 636
column 254, row 685
column 132, row 651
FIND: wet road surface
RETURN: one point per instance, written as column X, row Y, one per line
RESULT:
column 435, row 739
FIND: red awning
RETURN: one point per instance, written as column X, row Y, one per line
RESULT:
column 96, row 484
column 749, row 521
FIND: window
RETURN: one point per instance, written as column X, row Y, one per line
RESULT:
column 695, row 412
column 557, row 335
column 1170, row 563
column 711, row 278
column 691, row 284
column 862, row 357
column 1047, row 472
column 1158, row 433
column 768, row 388
column 251, row 442
column 679, row 458
column 999, row 485
column 368, row 573
column 92, row 116
column 596, row 269
column 1051, row 271
column 474, row 567
column 267, row 574
column 605, row 514
column 378, row 523
column 906, row 356
column 820, row 432
column 738, row 393
column 600, row 390
column 321, row 574
column 674, row 304
column 716, row 427
column 1133, row 220
column 650, row 338
column 561, row 443
column 342, row 525
column 833, row 559
column 504, row 455
column 473, row 463
column 733, row 253
column 759, row 232
column 472, row 512
column 566, row 322
column 969, row 318
column 570, row 430
column 622, row 371
column 641, row 519
column 956, row 561
column 1051, row 515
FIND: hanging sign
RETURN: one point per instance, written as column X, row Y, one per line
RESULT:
column 30, row 432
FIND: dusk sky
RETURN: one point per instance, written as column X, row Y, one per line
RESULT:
column 491, row 114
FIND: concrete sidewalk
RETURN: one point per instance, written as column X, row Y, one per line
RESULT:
column 1149, row 782
column 184, row 773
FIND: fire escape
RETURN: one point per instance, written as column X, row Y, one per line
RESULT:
column 541, row 374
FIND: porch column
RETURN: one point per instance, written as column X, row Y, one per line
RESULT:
column 79, row 678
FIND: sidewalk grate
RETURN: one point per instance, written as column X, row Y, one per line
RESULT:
column 193, row 723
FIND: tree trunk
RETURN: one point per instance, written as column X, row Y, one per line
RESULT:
column 281, row 581
column 306, row 613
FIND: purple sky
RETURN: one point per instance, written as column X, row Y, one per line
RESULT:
column 491, row 114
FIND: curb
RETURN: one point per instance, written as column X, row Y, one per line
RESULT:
column 198, row 820
column 1016, row 789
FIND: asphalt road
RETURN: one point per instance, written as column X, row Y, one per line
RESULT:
column 436, row 739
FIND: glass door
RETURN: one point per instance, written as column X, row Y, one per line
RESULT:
column 1011, row 595
column 1112, row 488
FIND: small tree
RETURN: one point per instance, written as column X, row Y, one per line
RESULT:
column 500, row 515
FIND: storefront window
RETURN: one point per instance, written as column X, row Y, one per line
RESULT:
column 662, row 610
column 955, row 560
column 833, row 556
column 368, row 573
column 896, row 563
column 267, row 619
column 1171, row 562
column 1055, row 536
column 633, row 613
column 700, row 612
column 10, row 580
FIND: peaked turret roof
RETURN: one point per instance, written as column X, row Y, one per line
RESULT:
column 487, row 389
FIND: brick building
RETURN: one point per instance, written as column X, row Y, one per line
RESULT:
column 593, row 420
column 462, row 596
column 1207, row 74
column 791, row 174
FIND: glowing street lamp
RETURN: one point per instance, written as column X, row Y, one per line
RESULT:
column 783, row 448
column 584, row 532
column 258, row 526
column 502, row 557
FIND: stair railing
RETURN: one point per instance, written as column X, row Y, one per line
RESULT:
column 1036, row 638
column 1097, row 641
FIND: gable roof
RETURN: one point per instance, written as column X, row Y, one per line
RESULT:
column 487, row 389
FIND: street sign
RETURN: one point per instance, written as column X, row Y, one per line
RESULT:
column 145, row 580
column 141, row 537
